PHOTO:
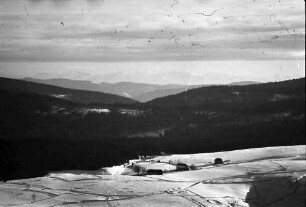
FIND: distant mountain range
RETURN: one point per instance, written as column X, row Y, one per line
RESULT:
column 138, row 91
column 73, row 95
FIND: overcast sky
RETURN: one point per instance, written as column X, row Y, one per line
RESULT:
column 138, row 31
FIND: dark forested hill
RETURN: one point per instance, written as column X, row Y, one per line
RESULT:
column 76, row 96
column 231, row 97
column 42, row 133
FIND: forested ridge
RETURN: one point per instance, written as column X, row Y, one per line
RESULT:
column 39, row 134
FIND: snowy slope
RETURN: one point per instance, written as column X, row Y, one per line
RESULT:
column 273, row 176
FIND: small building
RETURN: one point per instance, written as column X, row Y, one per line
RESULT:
column 181, row 167
column 154, row 172
column 218, row 161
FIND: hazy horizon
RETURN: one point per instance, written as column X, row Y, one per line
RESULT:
column 159, row 42
column 179, row 72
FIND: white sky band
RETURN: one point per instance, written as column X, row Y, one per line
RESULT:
column 153, row 31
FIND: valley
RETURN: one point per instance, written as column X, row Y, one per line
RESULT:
column 206, row 119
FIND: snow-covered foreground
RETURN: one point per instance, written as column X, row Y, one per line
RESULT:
column 272, row 176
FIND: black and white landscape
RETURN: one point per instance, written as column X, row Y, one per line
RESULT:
column 152, row 103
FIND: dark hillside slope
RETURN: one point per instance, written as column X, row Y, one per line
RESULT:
column 20, row 112
column 29, row 102
column 235, row 97
column 235, row 117
column 76, row 96
column 35, row 139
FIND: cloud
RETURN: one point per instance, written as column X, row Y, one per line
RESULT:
column 144, row 30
